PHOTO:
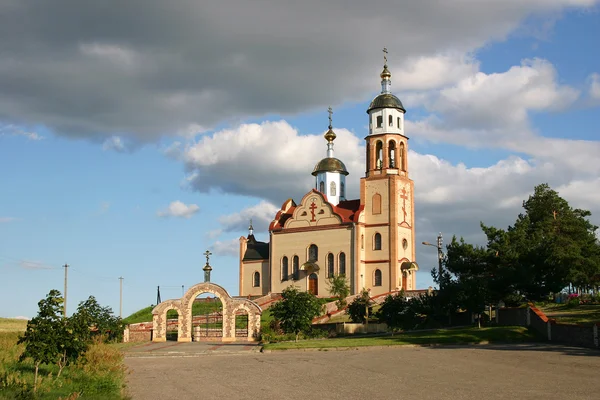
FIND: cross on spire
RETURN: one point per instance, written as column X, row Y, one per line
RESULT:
column 330, row 111
column 385, row 53
column 207, row 254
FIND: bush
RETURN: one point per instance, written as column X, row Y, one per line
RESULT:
column 360, row 308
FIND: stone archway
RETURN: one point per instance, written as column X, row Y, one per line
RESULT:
column 184, row 308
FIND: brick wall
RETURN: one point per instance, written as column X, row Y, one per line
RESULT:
column 569, row 334
column 512, row 316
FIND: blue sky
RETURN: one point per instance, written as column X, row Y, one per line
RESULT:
column 97, row 144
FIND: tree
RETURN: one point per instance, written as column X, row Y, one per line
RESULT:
column 46, row 336
column 360, row 308
column 92, row 320
column 393, row 311
column 338, row 286
column 296, row 310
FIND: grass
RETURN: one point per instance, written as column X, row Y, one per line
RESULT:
column 12, row 325
column 100, row 375
column 438, row 336
column 583, row 314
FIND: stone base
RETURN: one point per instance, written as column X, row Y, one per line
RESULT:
column 159, row 339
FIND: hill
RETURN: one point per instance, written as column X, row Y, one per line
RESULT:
column 13, row 325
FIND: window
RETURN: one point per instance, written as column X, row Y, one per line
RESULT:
column 377, row 278
column 256, row 280
column 330, row 268
column 402, row 158
column 377, row 242
column 332, row 189
column 391, row 121
column 342, row 263
column 342, row 190
column 313, row 253
column 362, row 241
column 296, row 267
column 322, row 187
column 284, row 269
column 398, row 122
column 376, row 203
column 392, row 154
column 379, row 155
column 380, row 121
column 404, row 244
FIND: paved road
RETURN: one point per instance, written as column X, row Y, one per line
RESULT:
column 481, row 372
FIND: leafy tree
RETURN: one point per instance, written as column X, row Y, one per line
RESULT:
column 361, row 307
column 393, row 311
column 46, row 336
column 338, row 286
column 296, row 310
column 92, row 320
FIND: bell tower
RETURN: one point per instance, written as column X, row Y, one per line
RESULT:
column 386, row 191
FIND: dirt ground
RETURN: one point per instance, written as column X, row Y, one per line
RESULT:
column 453, row 372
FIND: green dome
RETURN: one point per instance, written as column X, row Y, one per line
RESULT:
column 386, row 100
column 330, row 164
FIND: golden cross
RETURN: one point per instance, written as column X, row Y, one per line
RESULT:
column 207, row 254
column 330, row 111
column 385, row 52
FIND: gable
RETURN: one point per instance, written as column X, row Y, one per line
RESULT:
column 313, row 210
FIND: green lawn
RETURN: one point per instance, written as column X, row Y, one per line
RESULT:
column 12, row 325
column 582, row 314
column 439, row 336
column 99, row 375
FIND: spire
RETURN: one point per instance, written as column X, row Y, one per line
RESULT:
column 385, row 75
column 330, row 135
column 207, row 268
column 250, row 229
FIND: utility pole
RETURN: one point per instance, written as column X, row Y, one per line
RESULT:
column 158, row 301
column 66, row 266
column 120, row 297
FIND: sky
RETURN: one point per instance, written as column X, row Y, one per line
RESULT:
column 135, row 136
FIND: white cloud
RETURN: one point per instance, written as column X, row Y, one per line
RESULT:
column 179, row 209
column 34, row 265
column 12, row 130
column 261, row 214
column 114, row 143
column 269, row 160
column 431, row 72
column 226, row 248
column 594, row 89
column 7, row 219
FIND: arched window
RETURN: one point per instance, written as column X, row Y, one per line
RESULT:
column 256, row 280
column 379, row 121
column 368, row 163
column 313, row 253
column 342, row 263
column 296, row 267
column 379, row 155
column 402, row 158
column 332, row 189
column 284, row 269
column 377, row 242
column 398, row 122
column 377, row 278
column 322, row 187
column 362, row 241
column 342, row 190
column 392, row 154
column 376, row 203
column 391, row 121
column 330, row 268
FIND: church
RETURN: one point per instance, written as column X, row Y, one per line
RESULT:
column 370, row 240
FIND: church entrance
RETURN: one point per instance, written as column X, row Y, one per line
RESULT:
column 313, row 284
